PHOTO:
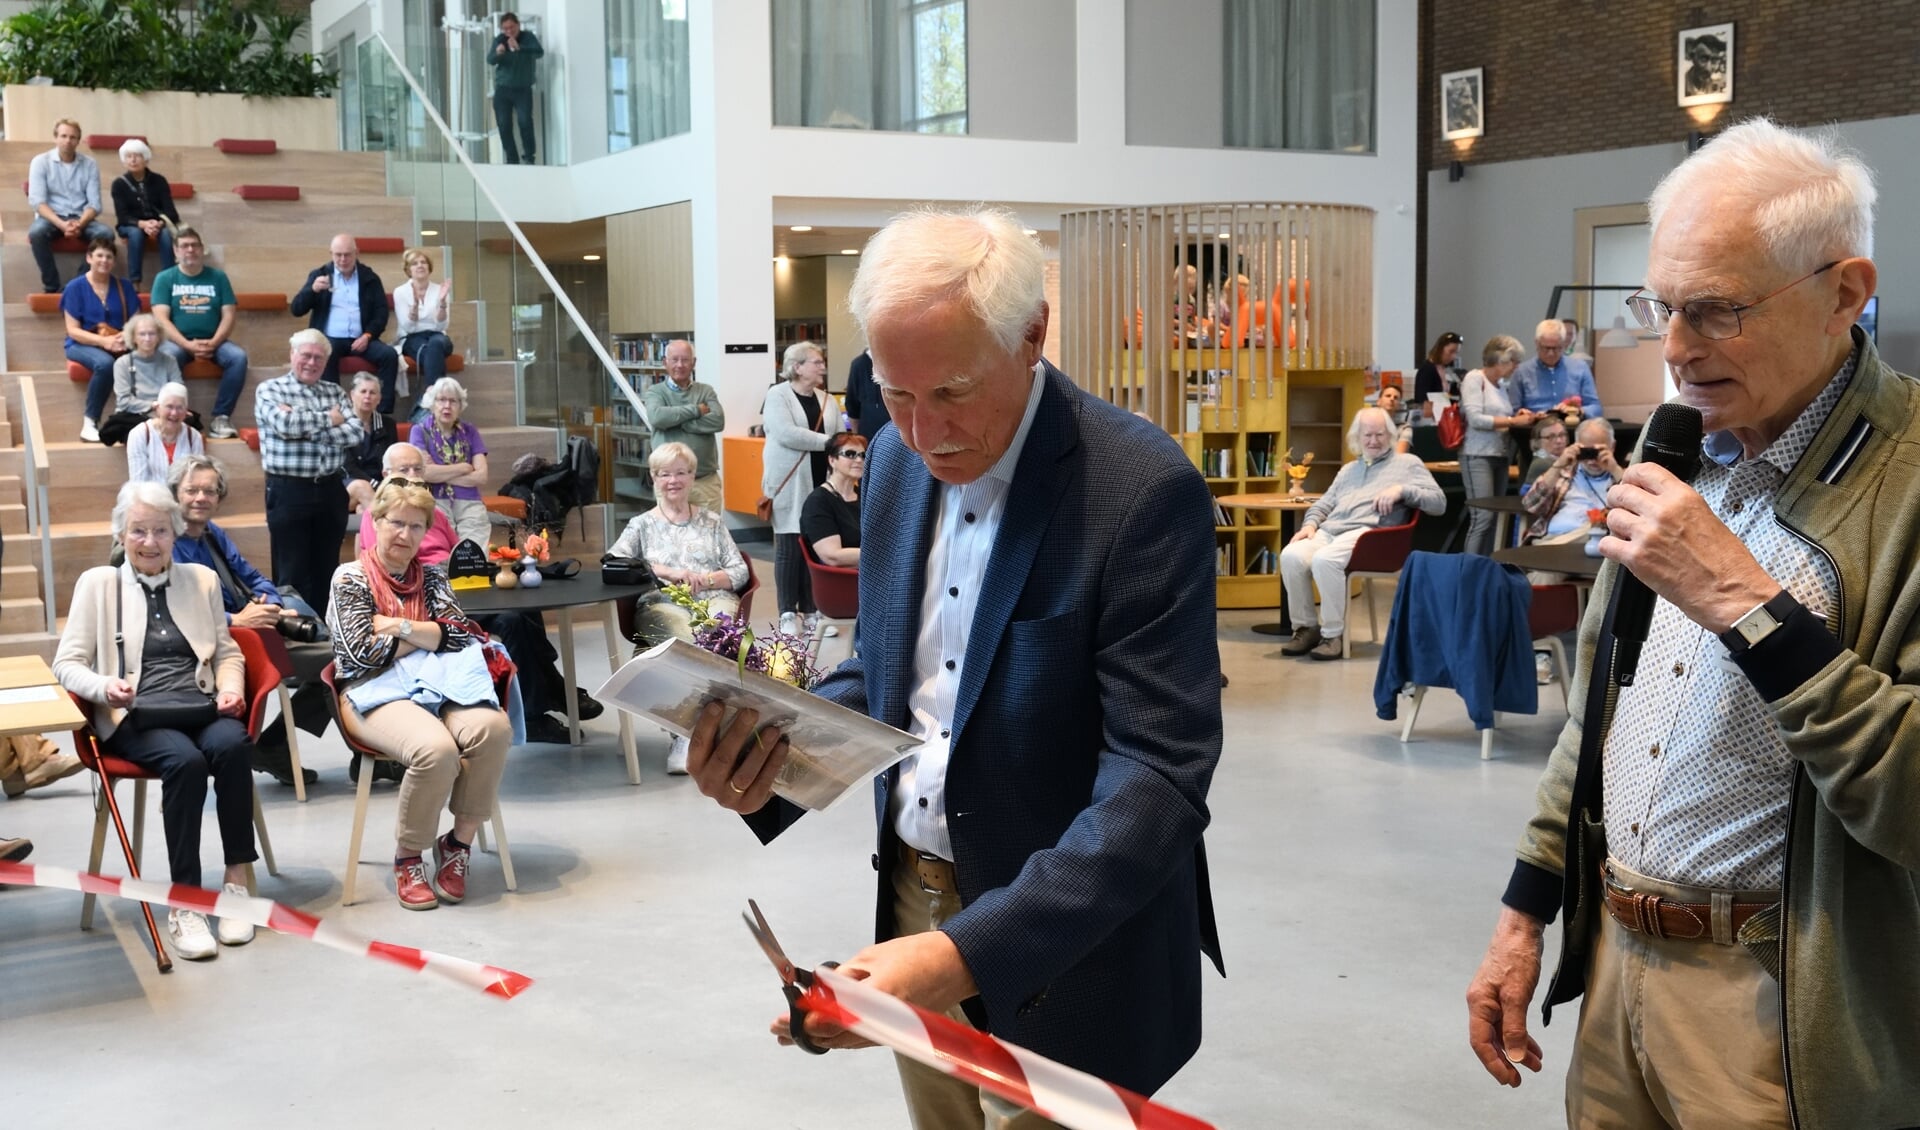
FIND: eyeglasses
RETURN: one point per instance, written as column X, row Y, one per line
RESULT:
column 1712, row 318
column 148, row 533
column 414, row 528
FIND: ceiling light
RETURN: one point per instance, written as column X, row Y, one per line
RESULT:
column 1226, row 235
column 801, row 227
column 1031, row 231
column 428, row 231
column 591, row 258
column 849, row 251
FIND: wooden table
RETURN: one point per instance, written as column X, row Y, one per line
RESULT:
column 1504, row 507
column 563, row 597
column 1283, row 504
column 1568, row 557
column 32, row 701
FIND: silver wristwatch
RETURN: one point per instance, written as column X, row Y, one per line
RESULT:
column 1757, row 625
column 406, row 628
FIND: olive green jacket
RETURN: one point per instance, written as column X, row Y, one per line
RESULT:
column 1846, row 696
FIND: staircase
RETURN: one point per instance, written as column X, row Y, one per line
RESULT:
column 264, row 246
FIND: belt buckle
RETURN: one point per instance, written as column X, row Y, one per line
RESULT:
column 920, row 859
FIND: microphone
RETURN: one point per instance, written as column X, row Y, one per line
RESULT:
column 1672, row 440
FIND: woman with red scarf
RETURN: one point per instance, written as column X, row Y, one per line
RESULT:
column 386, row 607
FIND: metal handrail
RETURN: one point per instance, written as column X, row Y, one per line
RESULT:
column 459, row 152
column 39, row 480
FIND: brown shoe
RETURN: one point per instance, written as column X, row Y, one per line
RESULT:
column 1302, row 641
column 1329, row 648
column 58, row 767
column 13, row 851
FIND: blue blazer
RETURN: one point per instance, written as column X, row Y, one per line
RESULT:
column 1085, row 734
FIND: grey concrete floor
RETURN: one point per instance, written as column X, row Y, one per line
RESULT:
column 1356, row 880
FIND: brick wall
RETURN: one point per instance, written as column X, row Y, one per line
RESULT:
column 1571, row 76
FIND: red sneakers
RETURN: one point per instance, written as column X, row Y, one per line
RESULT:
column 410, row 882
column 450, row 870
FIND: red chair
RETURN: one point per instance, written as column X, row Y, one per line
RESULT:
column 112, row 770
column 836, row 590
column 365, row 789
column 1555, row 610
column 270, row 672
column 1377, row 554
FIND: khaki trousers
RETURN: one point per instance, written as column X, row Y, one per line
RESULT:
column 936, row 1100
column 1677, row 1033
column 454, row 760
column 706, row 491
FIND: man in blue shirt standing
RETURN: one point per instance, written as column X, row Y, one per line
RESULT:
column 63, row 189
column 346, row 301
column 1551, row 381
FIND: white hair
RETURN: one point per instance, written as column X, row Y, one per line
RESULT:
column 133, row 146
column 1360, row 417
column 446, row 386
column 308, row 336
column 1595, row 424
column 146, row 493
column 1550, row 328
column 1811, row 200
column 172, row 390
column 394, row 451
column 980, row 256
column 364, row 377
column 796, row 355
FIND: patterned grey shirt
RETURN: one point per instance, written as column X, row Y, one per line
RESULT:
column 702, row 544
column 1697, row 775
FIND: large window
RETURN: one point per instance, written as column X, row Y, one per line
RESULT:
column 871, row 64
column 648, row 95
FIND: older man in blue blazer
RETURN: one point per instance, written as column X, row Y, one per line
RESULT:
column 1036, row 603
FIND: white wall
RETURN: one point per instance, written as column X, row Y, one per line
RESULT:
column 1020, row 69
column 1498, row 241
column 1174, row 89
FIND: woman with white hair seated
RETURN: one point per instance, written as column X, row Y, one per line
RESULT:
column 456, row 461
column 138, row 376
column 1377, row 489
column 146, row 645
column 143, row 208
column 153, row 447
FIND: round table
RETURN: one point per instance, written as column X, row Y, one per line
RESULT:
column 1283, row 504
column 1504, row 507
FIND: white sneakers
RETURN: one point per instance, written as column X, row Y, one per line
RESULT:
column 677, row 758
column 89, row 431
column 193, row 941
column 221, row 428
column 789, row 623
column 812, row 625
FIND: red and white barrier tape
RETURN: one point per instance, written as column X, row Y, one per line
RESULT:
column 488, row 979
column 1054, row 1090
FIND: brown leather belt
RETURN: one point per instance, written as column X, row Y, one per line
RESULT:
column 1661, row 917
column 936, row 874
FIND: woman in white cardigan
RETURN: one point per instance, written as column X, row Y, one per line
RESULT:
column 799, row 417
column 174, row 639
column 421, row 309
column 154, row 445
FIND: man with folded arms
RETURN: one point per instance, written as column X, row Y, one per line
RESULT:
column 1732, row 837
column 306, row 425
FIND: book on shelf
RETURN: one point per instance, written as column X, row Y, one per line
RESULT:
column 1262, row 563
column 1223, row 560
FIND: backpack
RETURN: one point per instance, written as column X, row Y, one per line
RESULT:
column 1453, row 428
column 583, row 459
column 551, row 490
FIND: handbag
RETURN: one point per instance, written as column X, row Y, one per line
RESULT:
column 159, row 710
column 1453, row 428
column 625, row 571
column 763, row 508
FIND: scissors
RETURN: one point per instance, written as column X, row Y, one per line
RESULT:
column 794, row 981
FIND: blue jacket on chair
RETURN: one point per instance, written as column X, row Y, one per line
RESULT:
column 1085, row 734
column 1460, row 621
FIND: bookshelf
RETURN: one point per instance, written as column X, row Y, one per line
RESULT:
column 793, row 331
column 641, row 358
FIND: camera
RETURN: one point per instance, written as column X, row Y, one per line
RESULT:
column 299, row 629
column 1584, row 452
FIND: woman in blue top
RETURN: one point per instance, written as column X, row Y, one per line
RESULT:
column 97, row 306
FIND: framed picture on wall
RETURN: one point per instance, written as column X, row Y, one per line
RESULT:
column 1705, row 65
column 1463, row 104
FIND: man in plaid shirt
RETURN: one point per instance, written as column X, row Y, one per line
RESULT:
column 306, row 425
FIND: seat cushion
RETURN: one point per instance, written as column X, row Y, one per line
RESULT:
column 456, row 363
column 200, row 370
column 250, row 437
column 260, row 300
column 355, row 365
column 181, row 190
column 78, row 372
column 111, row 142
column 267, row 191
column 380, row 244
column 43, row 303
column 248, row 146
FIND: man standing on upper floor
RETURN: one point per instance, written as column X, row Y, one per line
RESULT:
column 63, row 189
column 306, row 425
column 195, row 308
column 514, row 53
column 683, row 410
column 1551, row 381
column 865, row 406
column 347, row 302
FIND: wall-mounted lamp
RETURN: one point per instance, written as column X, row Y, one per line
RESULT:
column 1696, row 139
column 1456, row 171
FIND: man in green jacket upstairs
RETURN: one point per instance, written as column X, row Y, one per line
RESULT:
column 512, row 57
column 1733, row 838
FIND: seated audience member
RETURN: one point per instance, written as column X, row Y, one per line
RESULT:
column 1575, row 482
column 138, row 376
column 197, row 311
column 347, row 302
column 1549, row 440
column 365, row 462
column 830, row 518
column 1377, row 489
column 422, row 308
column 1389, row 401
column 63, row 189
column 155, row 446
column 150, row 628
column 456, row 461
column 414, row 686
column 524, row 634
column 97, row 306
column 1550, row 381
column 143, row 208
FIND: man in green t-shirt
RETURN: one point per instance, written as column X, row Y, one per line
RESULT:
column 194, row 305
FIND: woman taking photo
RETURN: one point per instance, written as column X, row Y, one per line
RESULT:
column 153, row 447
column 400, row 641
column 456, row 461
column 830, row 520
column 150, row 635
column 421, row 307
column 1483, row 457
column 97, row 307
column 799, row 416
